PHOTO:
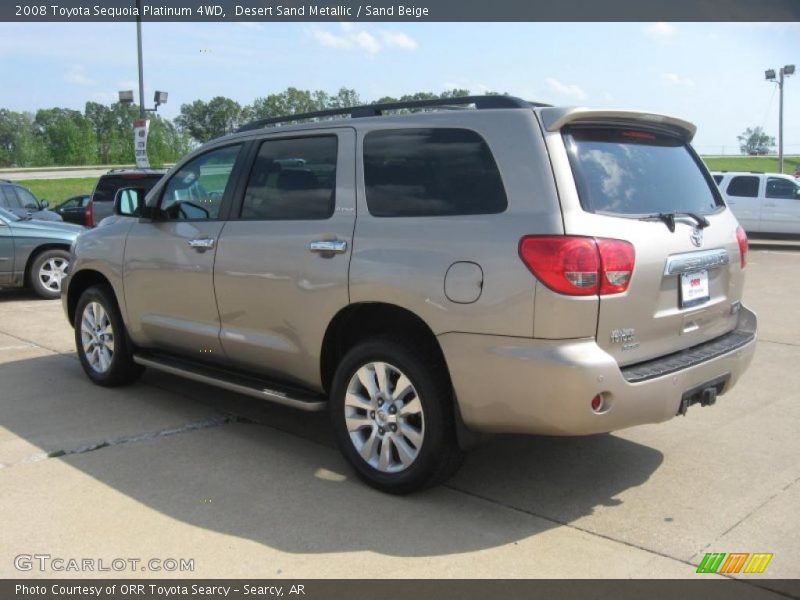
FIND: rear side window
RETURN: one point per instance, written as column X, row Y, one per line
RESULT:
column 431, row 173
column 107, row 186
column 635, row 172
column 717, row 179
column 292, row 179
column 745, row 186
column 8, row 197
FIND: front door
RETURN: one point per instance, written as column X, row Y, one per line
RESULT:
column 781, row 212
column 6, row 253
column 281, row 273
column 169, row 262
column 742, row 195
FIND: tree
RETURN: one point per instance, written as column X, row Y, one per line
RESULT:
column 67, row 136
column 204, row 121
column 18, row 145
column 754, row 140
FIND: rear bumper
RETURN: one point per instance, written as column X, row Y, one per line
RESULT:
column 518, row 385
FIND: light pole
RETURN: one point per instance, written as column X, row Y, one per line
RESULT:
column 784, row 71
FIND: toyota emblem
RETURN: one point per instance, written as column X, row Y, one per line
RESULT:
column 697, row 236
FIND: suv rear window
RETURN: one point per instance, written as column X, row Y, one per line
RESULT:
column 108, row 185
column 635, row 172
column 430, row 173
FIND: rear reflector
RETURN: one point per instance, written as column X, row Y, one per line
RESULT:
column 744, row 246
column 579, row 266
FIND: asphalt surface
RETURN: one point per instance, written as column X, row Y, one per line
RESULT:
column 171, row 469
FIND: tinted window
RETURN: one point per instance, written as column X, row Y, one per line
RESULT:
column 431, row 172
column 744, row 186
column 781, row 188
column 717, row 179
column 9, row 197
column 28, row 200
column 632, row 172
column 292, row 179
column 107, row 186
column 197, row 189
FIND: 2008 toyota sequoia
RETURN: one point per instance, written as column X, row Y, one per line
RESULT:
column 505, row 267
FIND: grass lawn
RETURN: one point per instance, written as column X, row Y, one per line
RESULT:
column 58, row 190
column 766, row 164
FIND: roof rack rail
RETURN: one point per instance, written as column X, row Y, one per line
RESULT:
column 376, row 110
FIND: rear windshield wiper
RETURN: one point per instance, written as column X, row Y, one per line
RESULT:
column 669, row 219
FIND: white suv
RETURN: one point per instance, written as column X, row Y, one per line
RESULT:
column 762, row 202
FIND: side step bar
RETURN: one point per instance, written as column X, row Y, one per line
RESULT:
column 256, row 388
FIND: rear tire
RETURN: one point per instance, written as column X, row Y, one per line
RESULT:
column 101, row 340
column 392, row 414
column 47, row 270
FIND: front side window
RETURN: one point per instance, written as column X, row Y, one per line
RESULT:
column 743, row 186
column 430, row 173
column 782, row 188
column 28, row 200
column 196, row 190
column 292, row 179
column 624, row 171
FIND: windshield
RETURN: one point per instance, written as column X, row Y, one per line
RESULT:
column 8, row 216
column 635, row 172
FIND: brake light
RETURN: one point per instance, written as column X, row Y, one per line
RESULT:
column 744, row 246
column 88, row 215
column 639, row 135
column 579, row 266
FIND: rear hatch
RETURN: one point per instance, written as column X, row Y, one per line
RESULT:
column 635, row 178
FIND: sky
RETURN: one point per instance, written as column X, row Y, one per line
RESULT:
column 711, row 74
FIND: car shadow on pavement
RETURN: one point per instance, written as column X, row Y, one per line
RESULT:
column 233, row 465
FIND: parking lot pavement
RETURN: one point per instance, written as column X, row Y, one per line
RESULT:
column 172, row 469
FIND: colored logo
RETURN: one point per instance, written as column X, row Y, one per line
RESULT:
column 734, row 562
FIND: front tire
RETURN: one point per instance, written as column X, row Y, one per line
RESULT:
column 392, row 414
column 47, row 271
column 101, row 341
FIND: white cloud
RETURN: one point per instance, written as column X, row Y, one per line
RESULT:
column 661, row 31
column 398, row 39
column 566, row 89
column 350, row 39
column 77, row 76
column 676, row 80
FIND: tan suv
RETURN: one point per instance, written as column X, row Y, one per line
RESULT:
column 504, row 267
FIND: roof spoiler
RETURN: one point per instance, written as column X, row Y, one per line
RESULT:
column 554, row 119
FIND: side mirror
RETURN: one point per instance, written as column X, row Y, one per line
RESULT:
column 129, row 202
column 44, row 203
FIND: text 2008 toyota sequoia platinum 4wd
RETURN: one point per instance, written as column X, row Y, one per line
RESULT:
column 509, row 267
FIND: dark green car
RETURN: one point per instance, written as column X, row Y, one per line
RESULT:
column 34, row 253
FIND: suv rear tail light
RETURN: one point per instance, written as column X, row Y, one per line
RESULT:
column 744, row 246
column 88, row 215
column 579, row 266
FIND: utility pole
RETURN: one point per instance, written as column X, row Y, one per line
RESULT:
column 770, row 76
column 141, row 69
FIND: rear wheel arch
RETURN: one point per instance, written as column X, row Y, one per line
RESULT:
column 36, row 253
column 363, row 320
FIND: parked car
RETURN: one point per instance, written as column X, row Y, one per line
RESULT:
column 34, row 253
column 73, row 209
column 21, row 201
column 428, row 276
column 762, row 202
column 101, row 204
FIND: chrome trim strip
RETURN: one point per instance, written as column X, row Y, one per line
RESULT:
column 694, row 261
column 261, row 394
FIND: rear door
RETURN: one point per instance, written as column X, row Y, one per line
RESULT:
column 781, row 212
column 281, row 273
column 686, row 281
column 745, row 195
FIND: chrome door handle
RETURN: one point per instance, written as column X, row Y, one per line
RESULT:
column 202, row 244
column 333, row 246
